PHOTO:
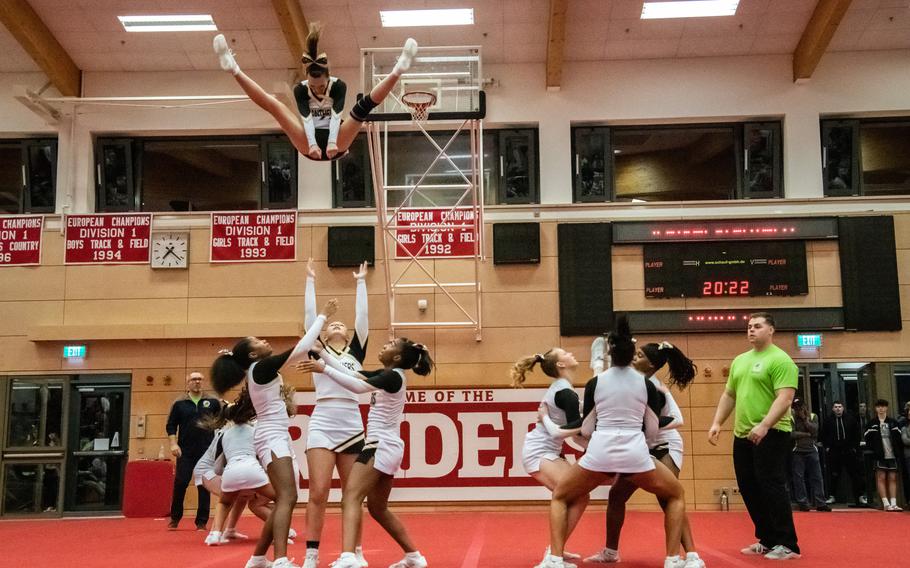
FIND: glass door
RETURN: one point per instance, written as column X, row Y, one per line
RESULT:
column 33, row 451
column 97, row 450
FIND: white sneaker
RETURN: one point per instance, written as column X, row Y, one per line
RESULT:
column 284, row 563
column 781, row 552
column 693, row 561
column 674, row 562
column 407, row 56
column 410, row 560
column 225, row 57
column 830, row 499
column 566, row 555
column 312, row 558
column 346, row 560
column 757, row 549
column 551, row 561
column 863, row 500
column 292, row 534
column 214, row 538
column 358, row 552
column 260, row 563
column 605, row 556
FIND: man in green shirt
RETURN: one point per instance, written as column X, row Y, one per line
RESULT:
column 760, row 389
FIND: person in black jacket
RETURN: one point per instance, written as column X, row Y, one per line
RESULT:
column 841, row 436
column 883, row 439
column 188, row 442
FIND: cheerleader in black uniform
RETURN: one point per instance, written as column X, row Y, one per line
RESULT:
column 317, row 130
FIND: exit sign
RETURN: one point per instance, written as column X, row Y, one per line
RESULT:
column 808, row 340
column 74, row 351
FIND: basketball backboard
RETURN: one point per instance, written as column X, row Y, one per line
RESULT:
column 452, row 74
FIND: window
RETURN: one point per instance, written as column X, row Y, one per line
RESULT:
column 28, row 176
column 510, row 171
column 196, row 174
column 677, row 162
column 866, row 157
column 35, row 414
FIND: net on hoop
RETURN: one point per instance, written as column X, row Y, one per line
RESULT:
column 419, row 103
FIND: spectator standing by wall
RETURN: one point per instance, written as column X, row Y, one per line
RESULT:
column 188, row 442
column 805, row 463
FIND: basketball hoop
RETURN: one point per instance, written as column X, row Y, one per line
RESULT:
column 419, row 103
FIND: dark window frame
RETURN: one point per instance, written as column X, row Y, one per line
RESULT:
column 134, row 149
column 738, row 132
column 497, row 134
column 25, row 192
column 855, row 125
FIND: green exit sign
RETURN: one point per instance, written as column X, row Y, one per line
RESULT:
column 808, row 340
column 74, row 351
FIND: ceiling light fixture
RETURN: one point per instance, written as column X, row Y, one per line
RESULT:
column 688, row 9
column 169, row 23
column 414, row 18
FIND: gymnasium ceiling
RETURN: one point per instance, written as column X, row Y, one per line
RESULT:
column 510, row 31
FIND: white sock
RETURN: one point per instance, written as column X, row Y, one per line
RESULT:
column 673, row 558
column 608, row 549
column 257, row 558
column 894, row 501
column 415, row 554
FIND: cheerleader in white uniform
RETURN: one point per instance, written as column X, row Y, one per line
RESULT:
column 541, row 453
column 252, row 358
column 618, row 399
column 666, row 446
column 374, row 472
column 322, row 89
column 231, row 470
column 335, row 433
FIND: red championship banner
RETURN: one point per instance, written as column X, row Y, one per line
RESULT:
column 244, row 236
column 417, row 226
column 20, row 240
column 108, row 238
column 460, row 445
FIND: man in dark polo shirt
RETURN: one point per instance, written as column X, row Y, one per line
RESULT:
column 188, row 443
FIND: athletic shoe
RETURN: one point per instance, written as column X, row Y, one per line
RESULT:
column 804, row 507
column 284, row 563
column 823, row 509
column 214, row 538
column 312, row 558
column 225, row 56
column 358, row 552
column 262, row 562
column 893, row 508
column 551, row 561
column 172, row 525
column 410, row 560
column 692, row 560
column 292, row 534
column 756, row 549
column 605, row 556
column 674, row 562
column 830, row 499
column 346, row 560
column 781, row 552
column 863, row 500
column 232, row 534
column 407, row 56
column 566, row 555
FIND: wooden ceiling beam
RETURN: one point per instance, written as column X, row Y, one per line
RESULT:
column 816, row 37
column 41, row 45
column 556, row 42
column 294, row 25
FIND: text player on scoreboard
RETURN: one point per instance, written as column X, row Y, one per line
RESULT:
column 321, row 93
column 335, row 433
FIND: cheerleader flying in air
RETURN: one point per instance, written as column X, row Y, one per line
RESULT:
column 372, row 476
column 317, row 130
column 252, row 360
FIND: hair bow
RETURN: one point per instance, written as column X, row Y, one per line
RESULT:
column 321, row 60
column 227, row 352
column 664, row 345
column 538, row 358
